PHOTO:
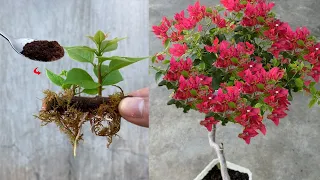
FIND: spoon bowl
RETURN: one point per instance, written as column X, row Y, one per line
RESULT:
column 19, row 44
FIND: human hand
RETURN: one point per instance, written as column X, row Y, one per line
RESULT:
column 136, row 109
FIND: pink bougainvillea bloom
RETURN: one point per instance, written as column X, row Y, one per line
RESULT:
column 247, row 134
column 315, row 73
column 176, row 68
column 209, row 122
column 233, row 5
column 160, row 57
column 215, row 47
column 178, row 50
column 254, row 11
column 161, row 30
column 196, row 11
column 275, row 74
column 194, row 83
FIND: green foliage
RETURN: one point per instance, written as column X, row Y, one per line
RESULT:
column 106, row 74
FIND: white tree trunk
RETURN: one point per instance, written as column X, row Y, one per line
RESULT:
column 220, row 154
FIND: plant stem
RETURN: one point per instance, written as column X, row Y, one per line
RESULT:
column 99, row 80
column 220, row 154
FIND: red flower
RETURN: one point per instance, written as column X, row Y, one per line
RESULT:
column 160, row 57
column 315, row 73
column 215, row 47
column 247, row 134
column 275, row 74
column 196, row 11
column 233, row 5
column 208, row 122
column 254, row 11
column 161, row 30
column 176, row 68
column 178, row 50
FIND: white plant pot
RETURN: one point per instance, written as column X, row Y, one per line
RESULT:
column 230, row 166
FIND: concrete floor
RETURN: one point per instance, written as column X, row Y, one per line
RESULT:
column 179, row 147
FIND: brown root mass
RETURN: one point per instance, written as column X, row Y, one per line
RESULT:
column 70, row 112
column 43, row 50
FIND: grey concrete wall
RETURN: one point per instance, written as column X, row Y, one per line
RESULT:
column 31, row 152
column 179, row 146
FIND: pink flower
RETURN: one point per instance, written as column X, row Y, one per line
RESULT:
column 208, row 122
column 176, row 68
column 162, row 29
column 315, row 73
column 160, row 57
column 178, row 50
column 197, row 12
column 275, row 74
column 215, row 47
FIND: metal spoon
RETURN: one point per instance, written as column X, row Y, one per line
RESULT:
column 16, row 44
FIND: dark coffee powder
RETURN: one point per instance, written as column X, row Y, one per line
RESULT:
column 43, row 50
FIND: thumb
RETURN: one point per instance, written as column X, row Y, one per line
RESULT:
column 135, row 110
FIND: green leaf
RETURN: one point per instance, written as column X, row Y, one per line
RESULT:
column 153, row 59
column 80, row 54
column 92, row 38
column 300, row 42
column 202, row 66
column 110, row 45
column 162, row 83
column 166, row 43
column 260, row 19
column 99, row 37
column 260, row 86
column 55, row 79
column 63, row 73
column 232, row 105
column 166, row 61
column 312, row 102
column 116, row 64
column 81, row 78
column 258, row 105
column 216, row 78
column 157, row 76
column 184, row 73
column 112, row 58
column 299, row 82
column 193, row 92
column 66, row 86
column 313, row 89
column 104, row 70
column 234, row 60
column 113, row 77
column 91, row 91
column 172, row 101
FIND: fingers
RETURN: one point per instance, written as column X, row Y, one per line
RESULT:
column 141, row 93
column 136, row 109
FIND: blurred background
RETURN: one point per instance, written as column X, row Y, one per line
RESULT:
column 179, row 146
column 31, row 152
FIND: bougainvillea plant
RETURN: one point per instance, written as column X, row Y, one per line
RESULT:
column 236, row 62
column 69, row 109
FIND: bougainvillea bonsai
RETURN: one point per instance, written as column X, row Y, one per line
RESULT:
column 69, row 110
column 236, row 63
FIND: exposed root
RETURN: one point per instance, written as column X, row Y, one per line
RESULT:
column 70, row 112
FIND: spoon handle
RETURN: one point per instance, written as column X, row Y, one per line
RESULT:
column 4, row 35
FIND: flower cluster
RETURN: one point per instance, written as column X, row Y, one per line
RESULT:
column 237, row 63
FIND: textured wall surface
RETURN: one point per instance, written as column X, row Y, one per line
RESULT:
column 179, row 146
column 31, row 152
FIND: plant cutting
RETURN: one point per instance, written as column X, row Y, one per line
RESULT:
column 235, row 63
column 69, row 109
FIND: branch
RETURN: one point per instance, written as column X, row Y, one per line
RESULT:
column 219, row 151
